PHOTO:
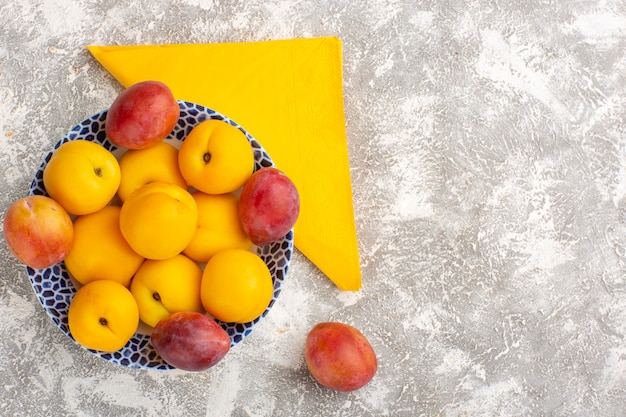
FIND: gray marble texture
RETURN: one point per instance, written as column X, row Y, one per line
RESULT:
column 487, row 144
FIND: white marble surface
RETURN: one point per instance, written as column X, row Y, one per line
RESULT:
column 487, row 147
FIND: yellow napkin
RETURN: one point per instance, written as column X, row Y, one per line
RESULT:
column 288, row 94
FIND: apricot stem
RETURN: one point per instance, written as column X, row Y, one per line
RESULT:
column 156, row 296
column 103, row 321
column 206, row 157
column 98, row 171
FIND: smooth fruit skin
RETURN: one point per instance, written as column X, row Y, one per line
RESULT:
column 218, row 226
column 158, row 220
column 142, row 115
column 100, row 251
column 158, row 163
column 269, row 206
column 190, row 341
column 163, row 287
column 38, row 231
column 82, row 176
column 216, row 157
column 103, row 316
column 339, row 357
column 236, row 286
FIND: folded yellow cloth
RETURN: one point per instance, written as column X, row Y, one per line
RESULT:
column 288, row 94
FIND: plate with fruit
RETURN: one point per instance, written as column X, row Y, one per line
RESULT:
column 190, row 232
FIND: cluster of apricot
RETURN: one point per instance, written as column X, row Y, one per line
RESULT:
column 161, row 235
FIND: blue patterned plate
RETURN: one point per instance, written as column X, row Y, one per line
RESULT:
column 55, row 288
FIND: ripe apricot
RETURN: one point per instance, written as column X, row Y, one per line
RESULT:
column 100, row 251
column 216, row 157
column 103, row 315
column 218, row 226
column 158, row 220
column 236, row 286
